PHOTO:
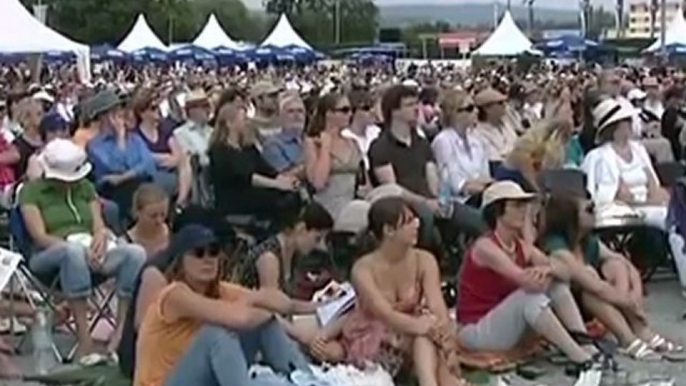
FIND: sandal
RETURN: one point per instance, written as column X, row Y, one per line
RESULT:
column 641, row 351
column 662, row 345
column 669, row 350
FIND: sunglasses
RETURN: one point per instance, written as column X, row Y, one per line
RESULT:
column 466, row 109
column 590, row 208
column 364, row 108
column 343, row 110
column 211, row 250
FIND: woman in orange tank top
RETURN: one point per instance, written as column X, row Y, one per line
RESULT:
column 200, row 331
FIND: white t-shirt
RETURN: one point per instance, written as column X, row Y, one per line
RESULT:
column 363, row 142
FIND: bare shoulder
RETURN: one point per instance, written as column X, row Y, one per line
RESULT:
column 423, row 257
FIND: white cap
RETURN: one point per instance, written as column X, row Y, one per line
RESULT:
column 636, row 94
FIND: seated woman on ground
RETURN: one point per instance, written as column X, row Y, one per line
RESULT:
column 201, row 331
column 400, row 314
column 150, row 212
column 507, row 287
column 271, row 264
column 152, row 280
column 64, row 220
column 618, row 299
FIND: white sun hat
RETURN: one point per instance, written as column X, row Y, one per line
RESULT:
column 610, row 111
column 63, row 160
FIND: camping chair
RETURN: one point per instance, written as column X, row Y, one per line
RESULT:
column 201, row 192
column 563, row 181
column 669, row 172
column 45, row 289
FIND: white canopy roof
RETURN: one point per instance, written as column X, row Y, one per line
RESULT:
column 506, row 40
column 20, row 32
column 141, row 36
column 675, row 33
column 283, row 35
column 213, row 36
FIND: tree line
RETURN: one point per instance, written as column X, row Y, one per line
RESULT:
column 324, row 23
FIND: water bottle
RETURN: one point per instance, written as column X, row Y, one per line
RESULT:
column 41, row 336
column 445, row 193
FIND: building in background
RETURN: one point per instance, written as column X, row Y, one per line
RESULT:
column 640, row 18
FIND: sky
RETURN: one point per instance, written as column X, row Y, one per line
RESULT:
column 564, row 4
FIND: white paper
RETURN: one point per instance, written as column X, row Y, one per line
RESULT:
column 345, row 300
column 8, row 264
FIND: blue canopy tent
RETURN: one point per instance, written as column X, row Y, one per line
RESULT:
column 149, row 55
column 230, row 56
column 304, row 55
column 270, row 55
column 569, row 46
column 106, row 52
column 193, row 53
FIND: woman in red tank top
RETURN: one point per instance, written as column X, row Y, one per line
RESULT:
column 508, row 288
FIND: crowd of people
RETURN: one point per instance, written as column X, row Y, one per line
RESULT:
column 159, row 179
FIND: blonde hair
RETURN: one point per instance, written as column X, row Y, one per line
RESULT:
column 223, row 132
column 544, row 143
column 451, row 101
column 148, row 194
column 22, row 110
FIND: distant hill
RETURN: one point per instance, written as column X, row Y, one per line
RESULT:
column 468, row 15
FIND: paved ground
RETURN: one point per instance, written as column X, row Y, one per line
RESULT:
column 666, row 307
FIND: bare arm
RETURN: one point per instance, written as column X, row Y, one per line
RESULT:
column 386, row 175
column 268, row 271
column 432, row 178
column 374, row 302
column 98, row 222
column 431, row 285
column 488, row 254
column 36, row 227
column 185, row 171
column 318, row 161
column 10, row 156
column 540, row 259
column 152, row 283
column 584, row 277
column 184, row 303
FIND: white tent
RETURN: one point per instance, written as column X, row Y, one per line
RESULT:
column 141, row 36
column 283, row 35
column 213, row 36
column 675, row 33
column 20, row 32
column 506, row 40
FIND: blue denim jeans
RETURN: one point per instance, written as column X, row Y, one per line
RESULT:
column 168, row 180
column 70, row 261
column 219, row 357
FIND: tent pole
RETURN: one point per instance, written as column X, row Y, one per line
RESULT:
column 663, row 29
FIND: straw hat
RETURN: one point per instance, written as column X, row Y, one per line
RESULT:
column 488, row 96
column 504, row 190
column 197, row 98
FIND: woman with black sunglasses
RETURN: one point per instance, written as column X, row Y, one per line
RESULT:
column 332, row 161
column 608, row 286
column 460, row 155
column 363, row 130
column 202, row 331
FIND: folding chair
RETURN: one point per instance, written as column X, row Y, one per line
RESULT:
column 563, row 181
column 46, row 289
column 669, row 172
